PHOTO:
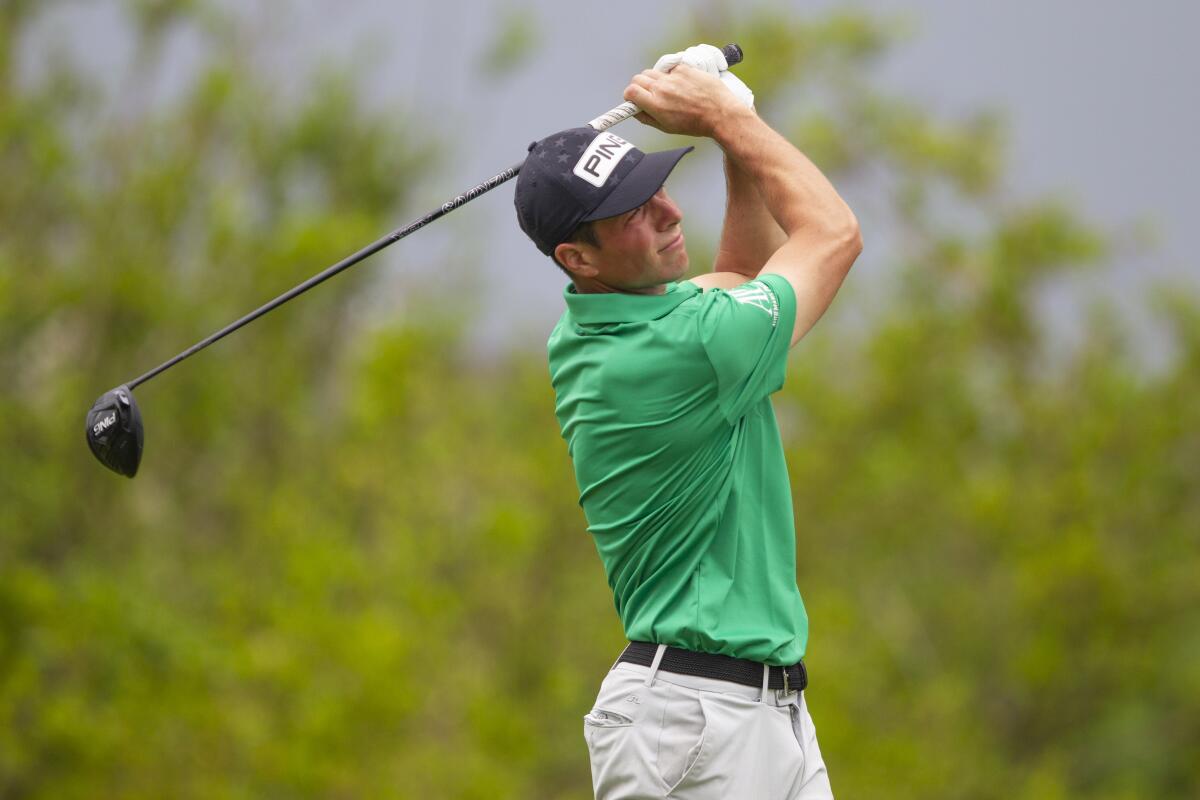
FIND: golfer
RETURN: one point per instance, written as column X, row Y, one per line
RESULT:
column 662, row 394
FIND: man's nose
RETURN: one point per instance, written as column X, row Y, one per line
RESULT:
column 668, row 213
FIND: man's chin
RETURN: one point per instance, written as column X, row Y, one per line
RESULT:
column 679, row 265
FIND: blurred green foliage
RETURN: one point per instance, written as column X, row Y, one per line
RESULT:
column 353, row 565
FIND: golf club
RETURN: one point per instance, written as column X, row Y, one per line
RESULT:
column 114, row 423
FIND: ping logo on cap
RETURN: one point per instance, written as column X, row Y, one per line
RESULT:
column 601, row 158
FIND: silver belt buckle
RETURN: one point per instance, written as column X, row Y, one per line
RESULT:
column 786, row 690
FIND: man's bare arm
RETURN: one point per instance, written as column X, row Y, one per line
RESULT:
column 823, row 238
column 750, row 234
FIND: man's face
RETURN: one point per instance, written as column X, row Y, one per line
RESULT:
column 640, row 250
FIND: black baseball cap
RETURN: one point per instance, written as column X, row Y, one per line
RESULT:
column 579, row 175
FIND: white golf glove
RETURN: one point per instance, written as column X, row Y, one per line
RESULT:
column 701, row 56
column 711, row 60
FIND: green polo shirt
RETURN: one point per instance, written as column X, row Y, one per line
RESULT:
column 664, row 402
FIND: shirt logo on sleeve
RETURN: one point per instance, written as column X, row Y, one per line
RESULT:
column 758, row 295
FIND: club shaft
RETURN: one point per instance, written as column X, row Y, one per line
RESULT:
column 345, row 263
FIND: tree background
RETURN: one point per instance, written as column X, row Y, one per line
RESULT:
column 353, row 564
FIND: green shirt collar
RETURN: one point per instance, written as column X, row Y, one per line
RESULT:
column 619, row 307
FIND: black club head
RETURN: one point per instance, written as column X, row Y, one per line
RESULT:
column 114, row 431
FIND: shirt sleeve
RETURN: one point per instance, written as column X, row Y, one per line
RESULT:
column 746, row 333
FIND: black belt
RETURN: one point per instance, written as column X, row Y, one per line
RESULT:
column 713, row 665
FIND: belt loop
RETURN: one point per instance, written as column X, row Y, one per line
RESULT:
column 762, row 698
column 658, row 654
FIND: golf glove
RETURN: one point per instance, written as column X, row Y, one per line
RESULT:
column 702, row 56
column 711, row 60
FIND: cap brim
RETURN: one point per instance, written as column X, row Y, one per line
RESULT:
column 646, row 178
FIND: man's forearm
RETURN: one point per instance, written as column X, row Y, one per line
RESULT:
column 799, row 198
column 750, row 234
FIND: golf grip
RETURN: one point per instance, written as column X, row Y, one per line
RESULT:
column 733, row 55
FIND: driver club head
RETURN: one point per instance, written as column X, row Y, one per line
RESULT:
column 114, row 431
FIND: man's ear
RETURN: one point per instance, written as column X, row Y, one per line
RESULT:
column 575, row 259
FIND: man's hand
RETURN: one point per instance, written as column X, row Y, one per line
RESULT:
column 684, row 100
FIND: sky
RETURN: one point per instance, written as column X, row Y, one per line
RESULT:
column 1098, row 97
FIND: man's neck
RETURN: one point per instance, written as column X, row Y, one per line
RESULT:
column 595, row 286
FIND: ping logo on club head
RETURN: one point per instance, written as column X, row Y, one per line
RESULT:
column 104, row 424
column 601, row 158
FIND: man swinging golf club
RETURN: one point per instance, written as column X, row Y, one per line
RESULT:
column 662, row 395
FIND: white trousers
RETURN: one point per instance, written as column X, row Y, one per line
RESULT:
column 657, row 734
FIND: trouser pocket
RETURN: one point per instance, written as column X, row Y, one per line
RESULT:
column 610, row 722
column 599, row 718
column 643, row 741
column 681, row 737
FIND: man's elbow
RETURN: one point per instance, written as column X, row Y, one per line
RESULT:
column 833, row 243
column 847, row 236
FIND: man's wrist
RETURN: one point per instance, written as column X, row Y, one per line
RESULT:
column 727, row 128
